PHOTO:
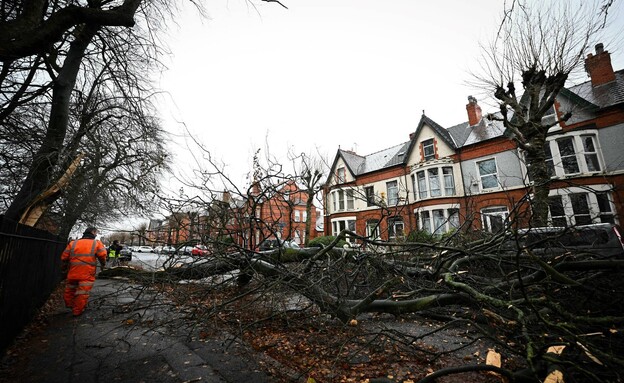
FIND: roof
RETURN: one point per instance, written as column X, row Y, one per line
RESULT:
column 604, row 95
column 376, row 161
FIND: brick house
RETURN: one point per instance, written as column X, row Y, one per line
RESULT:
column 473, row 176
column 245, row 222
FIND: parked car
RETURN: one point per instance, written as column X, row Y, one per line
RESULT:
column 125, row 254
column 603, row 240
column 271, row 244
column 185, row 250
column 167, row 250
column 145, row 249
column 199, row 250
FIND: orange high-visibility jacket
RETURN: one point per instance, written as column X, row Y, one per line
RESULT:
column 83, row 255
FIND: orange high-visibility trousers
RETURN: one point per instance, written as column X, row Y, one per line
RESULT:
column 77, row 294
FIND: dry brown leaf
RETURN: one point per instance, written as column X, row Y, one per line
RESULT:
column 555, row 349
column 493, row 358
column 554, row 377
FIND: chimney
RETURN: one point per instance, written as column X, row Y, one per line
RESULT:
column 474, row 111
column 599, row 66
column 226, row 196
column 412, row 135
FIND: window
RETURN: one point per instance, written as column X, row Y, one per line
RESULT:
column 453, row 219
column 350, row 200
column 370, row 195
column 590, row 154
column 576, row 153
column 568, row 155
column 425, row 221
column 304, row 216
column 341, row 175
column 414, row 186
column 449, row 181
column 297, row 216
column 372, row 229
column 395, row 228
column 488, row 174
column 428, row 183
column 439, row 221
column 557, row 212
column 580, row 208
column 343, row 223
column 333, row 195
column 428, row 150
column 575, row 206
column 422, row 184
column 393, row 193
column 341, row 202
column 604, row 206
column 494, row 218
column 434, row 182
column 549, row 160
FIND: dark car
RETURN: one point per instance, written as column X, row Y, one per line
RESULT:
column 125, row 254
column 603, row 240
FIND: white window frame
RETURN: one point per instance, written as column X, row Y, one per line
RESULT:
column 393, row 222
column 425, row 146
column 555, row 162
column 392, row 189
column 488, row 213
column 595, row 213
column 341, row 175
column 426, row 215
column 482, row 176
column 297, row 216
column 373, row 230
column 423, row 185
column 338, row 224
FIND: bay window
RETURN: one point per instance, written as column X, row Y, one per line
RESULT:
column 576, row 206
column 429, row 183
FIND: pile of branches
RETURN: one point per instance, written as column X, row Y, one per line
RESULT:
column 557, row 313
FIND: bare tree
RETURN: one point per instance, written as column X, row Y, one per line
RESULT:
column 538, row 47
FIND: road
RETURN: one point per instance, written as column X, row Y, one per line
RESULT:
column 153, row 261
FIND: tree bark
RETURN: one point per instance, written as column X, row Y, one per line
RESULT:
column 46, row 159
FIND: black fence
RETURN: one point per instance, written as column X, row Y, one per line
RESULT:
column 30, row 269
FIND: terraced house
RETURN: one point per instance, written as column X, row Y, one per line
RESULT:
column 473, row 176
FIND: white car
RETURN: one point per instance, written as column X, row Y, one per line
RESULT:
column 144, row 249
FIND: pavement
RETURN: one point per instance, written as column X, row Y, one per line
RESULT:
column 130, row 334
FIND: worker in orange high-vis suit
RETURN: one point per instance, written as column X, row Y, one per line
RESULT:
column 81, row 256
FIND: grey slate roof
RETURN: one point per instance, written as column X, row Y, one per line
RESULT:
column 605, row 95
column 376, row 161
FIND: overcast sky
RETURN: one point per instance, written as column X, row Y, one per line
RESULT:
column 355, row 74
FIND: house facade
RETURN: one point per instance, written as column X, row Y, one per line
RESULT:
column 244, row 222
column 473, row 176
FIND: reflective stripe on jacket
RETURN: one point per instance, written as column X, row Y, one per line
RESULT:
column 83, row 255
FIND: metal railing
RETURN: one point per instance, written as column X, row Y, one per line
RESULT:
column 30, row 269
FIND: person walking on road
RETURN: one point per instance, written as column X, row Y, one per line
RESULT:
column 114, row 251
column 81, row 257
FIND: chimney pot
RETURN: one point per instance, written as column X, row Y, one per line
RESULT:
column 599, row 48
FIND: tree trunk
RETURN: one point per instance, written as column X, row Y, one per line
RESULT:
column 538, row 174
column 46, row 159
